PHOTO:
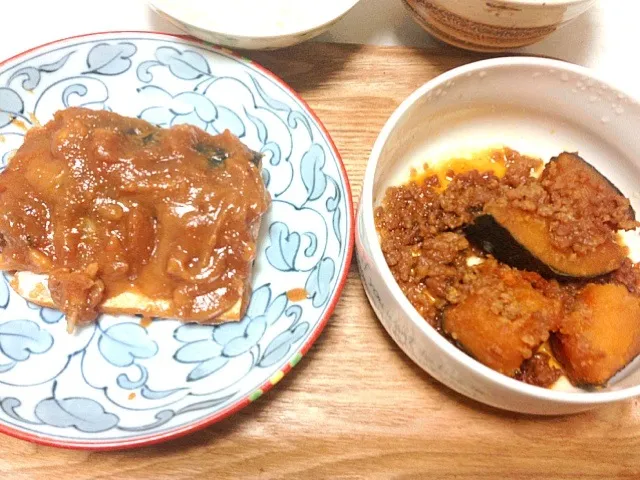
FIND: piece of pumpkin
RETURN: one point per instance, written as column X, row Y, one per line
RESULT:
column 600, row 336
column 570, row 165
column 503, row 320
column 522, row 239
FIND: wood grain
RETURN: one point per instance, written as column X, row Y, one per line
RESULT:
column 356, row 406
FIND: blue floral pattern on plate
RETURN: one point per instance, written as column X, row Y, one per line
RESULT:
column 120, row 380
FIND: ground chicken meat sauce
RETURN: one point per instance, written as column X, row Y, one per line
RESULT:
column 501, row 315
column 106, row 204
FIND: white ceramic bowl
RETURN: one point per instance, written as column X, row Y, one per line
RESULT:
column 253, row 24
column 496, row 25
column 539, row 107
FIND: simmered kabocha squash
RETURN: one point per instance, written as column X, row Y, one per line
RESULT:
column 521, row 239
column 600, row 336
column 569, row 166
column 502, row 319
column 528, row 238
column 563, row 224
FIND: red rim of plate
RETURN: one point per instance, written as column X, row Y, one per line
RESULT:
column 178, row 432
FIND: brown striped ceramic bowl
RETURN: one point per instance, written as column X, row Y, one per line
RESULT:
column 494, row 25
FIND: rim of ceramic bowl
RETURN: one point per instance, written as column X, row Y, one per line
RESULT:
column 366, row 204
column 287, row 33
column 542, row 3
column 160, row 437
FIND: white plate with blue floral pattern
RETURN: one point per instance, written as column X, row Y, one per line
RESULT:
column 120, row 383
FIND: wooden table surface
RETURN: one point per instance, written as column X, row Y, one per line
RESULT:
column 356, row 406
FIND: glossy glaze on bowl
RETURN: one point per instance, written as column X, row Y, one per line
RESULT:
column 493, row 26
column 539, row 107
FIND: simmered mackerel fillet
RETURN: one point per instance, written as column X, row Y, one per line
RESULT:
column 100, row 212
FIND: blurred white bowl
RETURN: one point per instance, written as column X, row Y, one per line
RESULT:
column 253, row 24
column 539, row 107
